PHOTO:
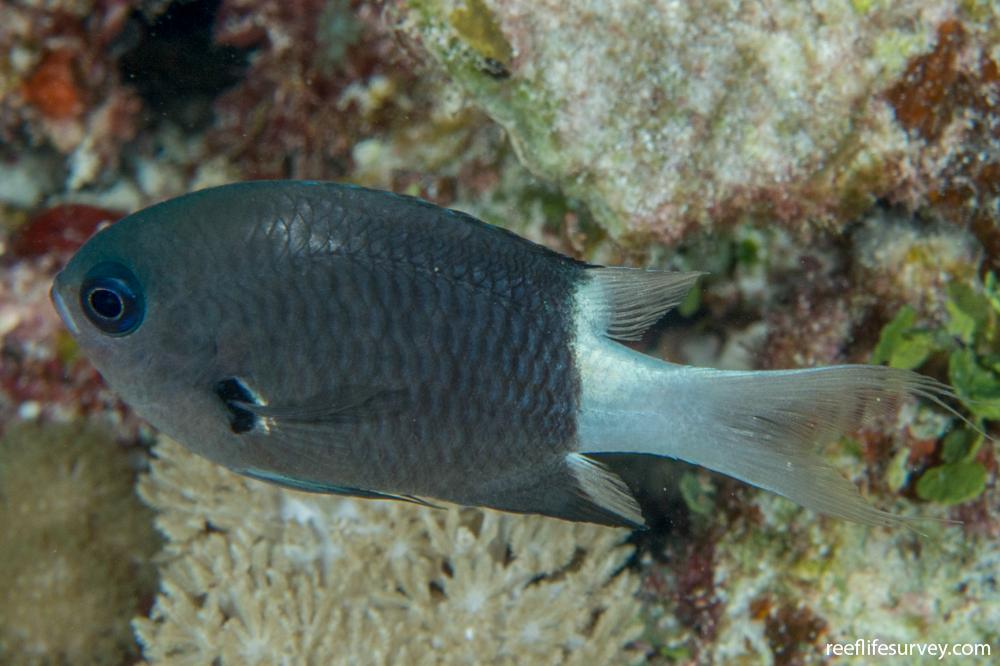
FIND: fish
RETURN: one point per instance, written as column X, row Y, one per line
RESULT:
column 336, row 339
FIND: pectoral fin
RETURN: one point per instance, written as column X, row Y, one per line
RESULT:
column 326, row 411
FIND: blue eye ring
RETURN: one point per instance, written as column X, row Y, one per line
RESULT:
column 111, row 297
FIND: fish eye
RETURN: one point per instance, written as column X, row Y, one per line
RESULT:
column 111, row 297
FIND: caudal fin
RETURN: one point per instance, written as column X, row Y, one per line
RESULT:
column 766, row 428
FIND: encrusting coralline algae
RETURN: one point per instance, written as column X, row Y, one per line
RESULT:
column 667, row 116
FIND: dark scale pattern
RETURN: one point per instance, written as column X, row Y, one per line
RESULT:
column 336, row 292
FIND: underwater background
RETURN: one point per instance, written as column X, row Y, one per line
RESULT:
column 834, row 166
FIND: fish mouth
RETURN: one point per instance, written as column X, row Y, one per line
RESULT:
column 60, row 305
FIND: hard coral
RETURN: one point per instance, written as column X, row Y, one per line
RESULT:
column 76, row 547
column 259, row 575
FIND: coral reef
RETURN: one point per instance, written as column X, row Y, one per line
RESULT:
column 834, row 165
column 314, row 87
column 665, row 117
column 59, row 85
column 765, row 582
column 845, row 582
column 77, row 547
column 254, row 574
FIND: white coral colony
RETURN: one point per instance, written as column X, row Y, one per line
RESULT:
column 255, row 574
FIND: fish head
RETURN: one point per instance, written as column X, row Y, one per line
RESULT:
column 138, row 298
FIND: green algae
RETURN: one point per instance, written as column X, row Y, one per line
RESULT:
column 969, row 313
column 960, row 444
column 969, row 338
column 978, row 387
column 474, row 22
column 897, row 472
column 903, row 345
column 952, row 483
column 698, row 494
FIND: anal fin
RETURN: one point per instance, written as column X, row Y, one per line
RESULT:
column 605, row 489
column 575, row 488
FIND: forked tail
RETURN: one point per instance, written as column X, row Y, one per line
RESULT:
column 766, row 428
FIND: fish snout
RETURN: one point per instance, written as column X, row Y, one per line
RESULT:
column 56, row 294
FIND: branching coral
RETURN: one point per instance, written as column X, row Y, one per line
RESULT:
column 261, row 575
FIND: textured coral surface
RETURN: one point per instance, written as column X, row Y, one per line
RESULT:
column 77, row 547
column 667, row 115
column 259, row 575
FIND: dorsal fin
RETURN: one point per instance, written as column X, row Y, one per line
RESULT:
column 627, row 301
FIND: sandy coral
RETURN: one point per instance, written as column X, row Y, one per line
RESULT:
column 259, row 575
column 665, row 116
column 76, row 549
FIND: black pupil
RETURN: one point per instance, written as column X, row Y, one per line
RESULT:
column 106, row 303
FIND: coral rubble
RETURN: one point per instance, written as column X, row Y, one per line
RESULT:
column 254, row 574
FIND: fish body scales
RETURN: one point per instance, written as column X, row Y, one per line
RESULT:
column 336, row 339
column 465, row 328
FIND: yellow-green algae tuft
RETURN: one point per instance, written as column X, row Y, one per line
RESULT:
column 478, row 27
column 77, row 545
